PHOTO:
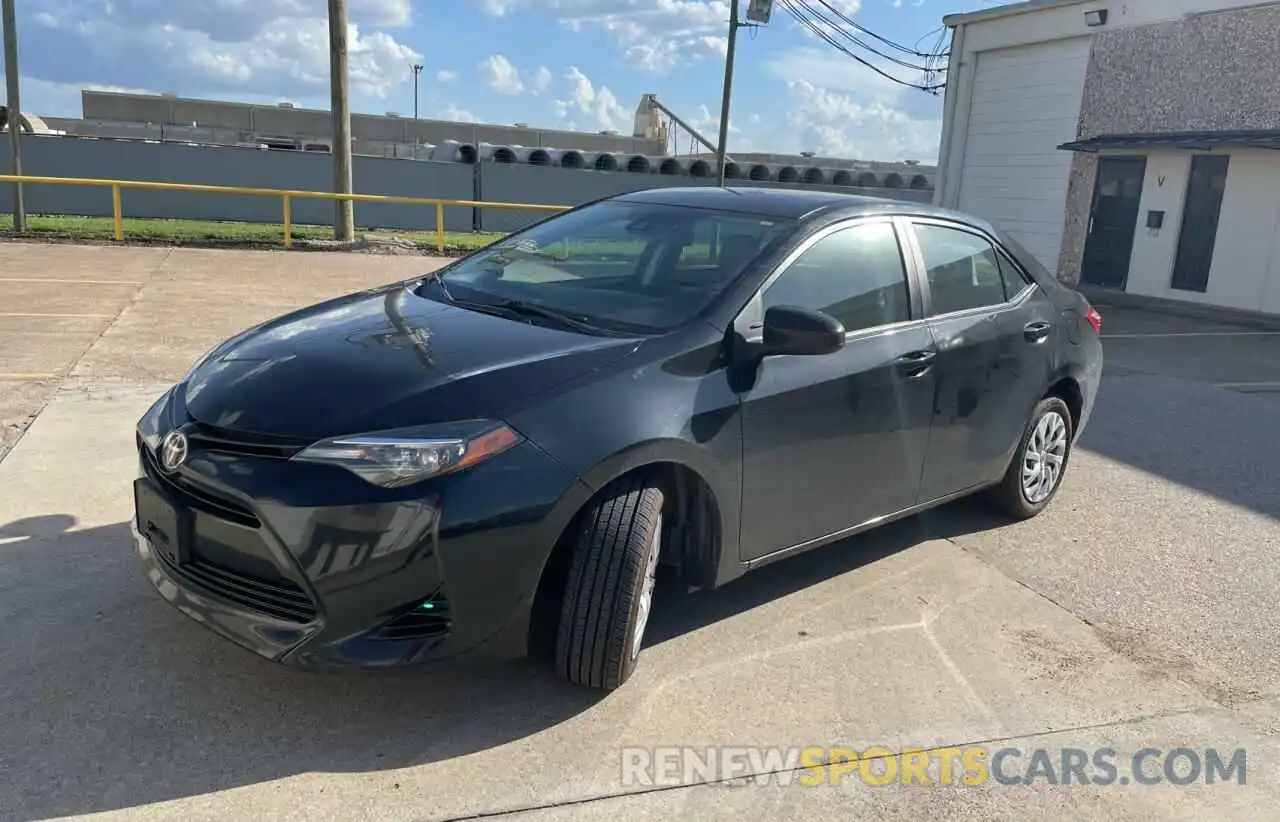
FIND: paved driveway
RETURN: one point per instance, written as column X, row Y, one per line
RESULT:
column 1138, row 612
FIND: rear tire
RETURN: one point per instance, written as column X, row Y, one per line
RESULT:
column 1039, row 463
column 609, row 589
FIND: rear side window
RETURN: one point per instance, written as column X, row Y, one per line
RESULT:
column 1029, row 262
column 1014, row 279
column 855, row 274
column 963, row 269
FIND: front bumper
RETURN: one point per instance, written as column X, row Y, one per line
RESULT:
column 310, row 566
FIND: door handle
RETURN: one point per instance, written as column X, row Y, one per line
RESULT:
column 1036, row 331
column 916, row 363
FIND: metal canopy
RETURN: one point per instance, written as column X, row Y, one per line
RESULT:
column 1190, row 140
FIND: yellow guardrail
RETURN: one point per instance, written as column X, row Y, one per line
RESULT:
column 287, row 196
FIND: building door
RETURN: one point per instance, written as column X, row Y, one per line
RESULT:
column 1112, row 221
column 1200, row 222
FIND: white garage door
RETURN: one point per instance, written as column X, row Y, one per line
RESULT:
column 1026, row 102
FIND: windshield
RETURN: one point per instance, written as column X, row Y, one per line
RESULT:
column 623, row 267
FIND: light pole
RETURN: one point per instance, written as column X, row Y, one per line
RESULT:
column 14, row 110
column 344, row 229
column 727, row 92
column 758, row 13
column 417, row 70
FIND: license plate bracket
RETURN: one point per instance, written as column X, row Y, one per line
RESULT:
column 167, row 527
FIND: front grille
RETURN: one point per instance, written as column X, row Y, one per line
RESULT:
column 198, row 496
column 211, row 438
column 426, row 620
column 275, row 598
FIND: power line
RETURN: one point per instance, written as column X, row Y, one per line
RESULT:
column 859, row 27
column 835, row 26
column 803, row 12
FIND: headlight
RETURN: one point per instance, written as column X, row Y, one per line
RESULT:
column 396, row 458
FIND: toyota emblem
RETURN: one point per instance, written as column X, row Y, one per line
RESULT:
column 173, row 450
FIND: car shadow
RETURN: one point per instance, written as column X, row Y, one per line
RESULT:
column 1210, row 440
column 114, row 700
column 676, row 613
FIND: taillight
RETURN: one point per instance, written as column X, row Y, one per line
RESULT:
column 1095, row 319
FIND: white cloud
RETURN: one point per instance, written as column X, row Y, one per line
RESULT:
column 499, row 75
column 834, row 70
column 495, row 8
column 653, row 35
column 599, row 105
column 458, row 115
column 446, row 76
column 828, row 19
column 839, row 108
column 541, row 80
column 216, row 47
column 659, row 56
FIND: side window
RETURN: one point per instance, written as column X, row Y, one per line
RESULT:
column 1014, row 279
column 963, row 269
column 855, row 274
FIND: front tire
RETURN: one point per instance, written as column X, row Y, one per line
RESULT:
column 609, row 589
column 1039, row 463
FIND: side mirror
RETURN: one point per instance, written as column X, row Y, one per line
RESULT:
column 789, row 329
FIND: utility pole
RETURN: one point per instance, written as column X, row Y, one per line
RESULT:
column 734, row 25
column 417, row 70
column 344, row 229
column 14, row 110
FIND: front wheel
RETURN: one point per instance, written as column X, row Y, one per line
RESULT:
column 1036, row 471
column 609, row 590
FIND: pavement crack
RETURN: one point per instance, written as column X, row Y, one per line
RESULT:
column 1153, row 661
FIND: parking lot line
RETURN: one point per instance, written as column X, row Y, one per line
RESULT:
column 1265, row 385
column 72, row 281
column 20, row 377
column 1191, row 334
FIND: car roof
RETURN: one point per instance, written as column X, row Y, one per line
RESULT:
column 799, row 204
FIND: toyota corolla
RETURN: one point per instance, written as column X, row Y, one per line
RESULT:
column 498, row 457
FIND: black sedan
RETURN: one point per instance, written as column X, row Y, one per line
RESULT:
column 496, row 458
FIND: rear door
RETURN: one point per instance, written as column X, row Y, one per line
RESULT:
column 996, row 336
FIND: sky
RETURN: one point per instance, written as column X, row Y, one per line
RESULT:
column 577, row 64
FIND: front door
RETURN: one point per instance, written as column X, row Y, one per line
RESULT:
column 995, row 333
column 1200, row 222
column 1113, row 221
column 831, row 442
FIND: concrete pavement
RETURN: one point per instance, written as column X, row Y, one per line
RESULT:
column 1137, row 612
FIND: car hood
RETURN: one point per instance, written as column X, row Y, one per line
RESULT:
column 384, row 359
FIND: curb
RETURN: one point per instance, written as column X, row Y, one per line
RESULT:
column 1101, row 297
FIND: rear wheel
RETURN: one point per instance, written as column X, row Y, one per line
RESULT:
column 1039, row 463
column 609, row 589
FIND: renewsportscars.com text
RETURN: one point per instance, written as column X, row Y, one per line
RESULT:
column 969, row 766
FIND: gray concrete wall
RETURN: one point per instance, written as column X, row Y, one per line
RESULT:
column 532, row 184
column 1211, row 72
column 230, row 166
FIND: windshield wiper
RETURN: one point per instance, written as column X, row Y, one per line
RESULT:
column 526, row 309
